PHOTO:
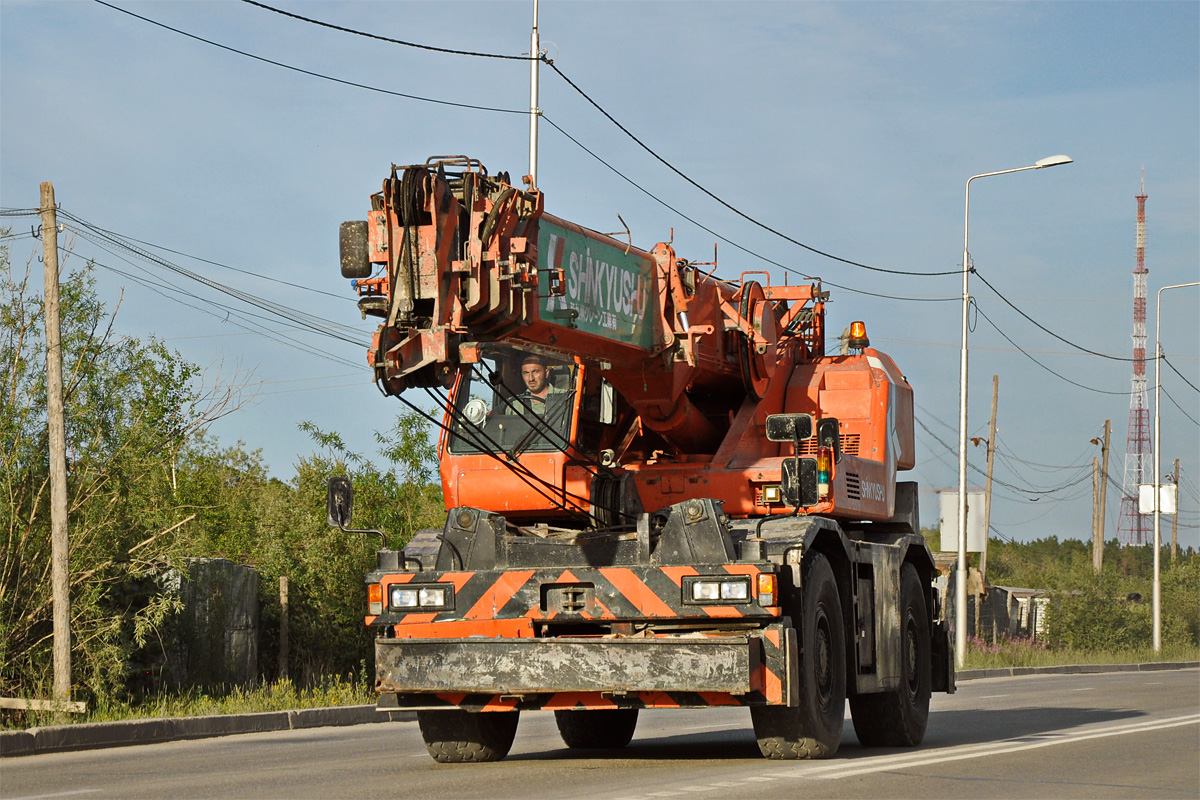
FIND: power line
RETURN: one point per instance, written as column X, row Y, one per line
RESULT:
column 624, row 130
column 1176, row 404
column 1042, row 327
column 726, row 240
column 1044, row 467
column 226, row 266
column 231, row 315
column 318, row 324
column 394, row 41
column 1177, row 372
column 728, row 205
column 300, row 320
column 1015, row 488
column 1007, row 338
column 553, row 124
column 310, row 72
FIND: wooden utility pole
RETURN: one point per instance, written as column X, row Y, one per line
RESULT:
column 987, row 492
column 1175, row 518
column 283, row 627
column 1097, row 542
column 1098, row 551
column 59, row 567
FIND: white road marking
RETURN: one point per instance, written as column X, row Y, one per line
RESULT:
column 867, row 766
column 1083, row 689
column 71, row 793
column 990, row 696
column 709, row 727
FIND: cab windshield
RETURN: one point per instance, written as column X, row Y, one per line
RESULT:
column 513, row 401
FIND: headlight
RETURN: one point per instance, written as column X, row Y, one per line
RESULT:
column 403, row 597
column 717, row 590
column 424, row 597
column 735, row 590
column 432, row 597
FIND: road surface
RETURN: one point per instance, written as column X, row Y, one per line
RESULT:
column 1119, row 735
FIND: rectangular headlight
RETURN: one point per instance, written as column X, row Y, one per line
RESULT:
column 431, row 596
column 434, row 596
column 735, row 590
column 717, row 591
column 403, row 597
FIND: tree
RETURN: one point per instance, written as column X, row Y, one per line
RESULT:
column 131, row 406
column 324, row 565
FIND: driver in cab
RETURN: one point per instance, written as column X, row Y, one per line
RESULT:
column 537, row 385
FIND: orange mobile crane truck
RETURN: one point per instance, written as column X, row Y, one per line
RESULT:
column 780, row 565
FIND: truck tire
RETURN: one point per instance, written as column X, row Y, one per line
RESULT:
column 457, row 736
column 898, row 719
column 592, row 730
column 812, row 729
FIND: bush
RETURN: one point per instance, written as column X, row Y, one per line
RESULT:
column 1098, row 617
column 1181, row 601
column 147, row 488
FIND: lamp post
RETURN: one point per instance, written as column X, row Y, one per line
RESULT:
column 535, row 52
column 960, row 580
column 1157, row 473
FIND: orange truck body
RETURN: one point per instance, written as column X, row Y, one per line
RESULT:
column 695, row 438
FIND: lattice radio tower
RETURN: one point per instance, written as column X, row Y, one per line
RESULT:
column 1134, row 528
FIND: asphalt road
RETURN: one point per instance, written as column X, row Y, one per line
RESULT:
column 1120, row 735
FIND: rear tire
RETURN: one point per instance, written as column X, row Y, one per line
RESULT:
column 813, row 729
column 457, row 736
column 595, row 730
column 898, row 719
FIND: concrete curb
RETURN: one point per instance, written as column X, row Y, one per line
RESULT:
column 95, row 735
column 1072, row 669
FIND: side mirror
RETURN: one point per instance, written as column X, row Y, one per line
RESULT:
column 789, row 427
column 608, row 403
column 352, row 242
column 339, row 502
column 828, row 435
column 799, row 482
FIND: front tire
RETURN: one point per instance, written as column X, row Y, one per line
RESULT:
column 898, row 719
column 596, row 730
column 459, row 737
column 813, row 729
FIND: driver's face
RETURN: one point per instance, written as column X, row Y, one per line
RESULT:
column 534, row 376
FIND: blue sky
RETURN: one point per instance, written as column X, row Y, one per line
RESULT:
column 850, row 126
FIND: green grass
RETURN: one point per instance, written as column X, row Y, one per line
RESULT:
column 284, row 695
column 1026, row 653
column 279, row 696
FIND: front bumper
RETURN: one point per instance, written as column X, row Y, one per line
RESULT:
column 755, row 668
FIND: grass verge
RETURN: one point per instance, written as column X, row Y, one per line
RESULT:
column 278, row 696
column 1028, row 653
column 284, row 695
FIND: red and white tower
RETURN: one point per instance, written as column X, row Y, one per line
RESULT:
column 1134, row 528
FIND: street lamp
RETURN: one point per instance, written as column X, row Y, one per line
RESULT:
column 960, row 580
column 1157, row 479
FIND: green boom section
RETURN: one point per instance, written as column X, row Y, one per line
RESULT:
column 608, row 289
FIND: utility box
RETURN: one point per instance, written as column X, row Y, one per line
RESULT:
column 213, row 641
